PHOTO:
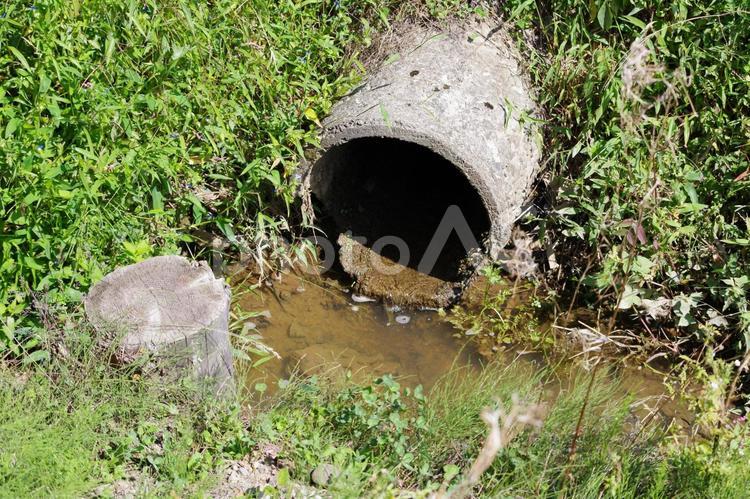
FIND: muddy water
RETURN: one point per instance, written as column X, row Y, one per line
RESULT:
column 316, row 322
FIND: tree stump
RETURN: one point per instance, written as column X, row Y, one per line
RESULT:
column 169, row 307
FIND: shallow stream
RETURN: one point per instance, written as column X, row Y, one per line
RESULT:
column 311, row 322
column 315, row 323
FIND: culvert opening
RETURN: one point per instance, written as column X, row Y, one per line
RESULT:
column 379, row 187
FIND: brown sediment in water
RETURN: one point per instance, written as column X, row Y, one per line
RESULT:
column 314, row 324
column 401, row 285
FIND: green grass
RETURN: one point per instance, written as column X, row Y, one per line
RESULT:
column 126, row 125
column 76, row 424
column 645, row 108
column 45, row 451
column 72, row 424
column 384, row 439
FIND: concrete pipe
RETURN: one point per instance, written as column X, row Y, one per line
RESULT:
column 442, row 122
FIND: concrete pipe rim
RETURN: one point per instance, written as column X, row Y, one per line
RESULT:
column 340, row 134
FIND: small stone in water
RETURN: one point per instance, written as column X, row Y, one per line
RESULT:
column 361, row 298
column 300, row 289
column 295, row 331
column 355, row 308
column 403, row 319
column 393, row 308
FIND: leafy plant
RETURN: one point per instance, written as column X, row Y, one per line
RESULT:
column 500, row 319
column 124, row 127
column 646, row 141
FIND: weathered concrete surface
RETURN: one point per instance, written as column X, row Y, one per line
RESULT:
column 170, row 306
column 459, row 93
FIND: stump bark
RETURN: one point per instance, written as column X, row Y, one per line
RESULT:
column 170, row 307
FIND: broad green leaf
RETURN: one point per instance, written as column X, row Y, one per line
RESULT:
column 157, row 200
column 282, row 478
column 32, row 263
column 635, row 21
column 630, row 298
column 109, row 48
column 20, row 58
column 311, row 115
column 36, row 356
column 44, row 84
column 450, row 471
column 12, row 126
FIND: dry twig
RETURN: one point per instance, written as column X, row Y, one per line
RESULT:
column 498, row 437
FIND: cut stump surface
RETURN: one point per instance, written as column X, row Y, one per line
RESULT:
column 167, row 305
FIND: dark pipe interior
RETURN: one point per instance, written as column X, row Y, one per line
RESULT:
column 378, row 187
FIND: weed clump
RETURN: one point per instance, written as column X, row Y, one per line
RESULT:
column 645, row 210
column 132, row 129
